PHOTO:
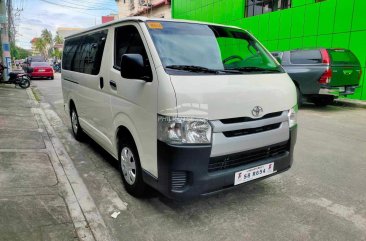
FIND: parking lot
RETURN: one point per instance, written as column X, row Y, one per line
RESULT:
column 321, row 197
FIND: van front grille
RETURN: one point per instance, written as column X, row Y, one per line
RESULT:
column 239, row 159
column 251, row 130
column 246, row 119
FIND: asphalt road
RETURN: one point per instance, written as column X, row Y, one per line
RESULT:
column 322, row 197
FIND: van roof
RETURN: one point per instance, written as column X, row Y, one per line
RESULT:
column 139, row 19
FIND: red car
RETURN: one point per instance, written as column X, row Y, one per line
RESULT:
column 41, row 70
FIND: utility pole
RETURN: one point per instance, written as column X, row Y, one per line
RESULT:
column 4, row 39
column 11, row 29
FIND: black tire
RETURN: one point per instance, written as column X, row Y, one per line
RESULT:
column 53, row 77
column 24, row 82
column 323, row 101
column 299, row 97
column 136, row 187
column 75, row 125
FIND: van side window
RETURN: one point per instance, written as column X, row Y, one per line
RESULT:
column 306, row 57
column 84, row 54
column 128, row 41
column 70, row 48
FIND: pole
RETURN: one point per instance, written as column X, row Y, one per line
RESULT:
column 4, row 39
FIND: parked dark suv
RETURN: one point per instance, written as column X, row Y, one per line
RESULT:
column 321, row 75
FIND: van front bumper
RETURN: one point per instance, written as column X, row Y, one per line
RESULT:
column 184, row 170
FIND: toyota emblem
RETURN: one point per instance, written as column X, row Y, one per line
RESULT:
column 257, row 111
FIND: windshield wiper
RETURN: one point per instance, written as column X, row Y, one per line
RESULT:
column 192, row 68
column 256, row 69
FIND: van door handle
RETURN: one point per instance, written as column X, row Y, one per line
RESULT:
column 101, row 82
column 113, row 84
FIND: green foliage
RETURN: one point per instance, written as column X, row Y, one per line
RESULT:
column 58, row 39
column 57, row 54
column 45, row 44
column 17, row 52
column 46, row 36
column 41, row 45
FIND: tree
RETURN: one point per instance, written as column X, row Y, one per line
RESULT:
column 47, row 40
column 57, row 53
column 46, row 35
column 41, row 45
column 58, row 39
column 18, row 52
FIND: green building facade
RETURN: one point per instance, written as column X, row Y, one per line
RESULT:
column 299, row 24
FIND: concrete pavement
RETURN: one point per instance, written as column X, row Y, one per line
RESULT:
column 37, row 199
column 55, row 188
column 320, row 198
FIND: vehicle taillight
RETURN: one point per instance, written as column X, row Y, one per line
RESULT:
column 325, row 56
column 360, row 74
column 326, row 77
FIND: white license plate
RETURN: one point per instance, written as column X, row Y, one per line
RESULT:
column 41, row 70
column 253, row 173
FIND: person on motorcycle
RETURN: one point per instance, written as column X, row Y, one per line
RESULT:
column 2, row 68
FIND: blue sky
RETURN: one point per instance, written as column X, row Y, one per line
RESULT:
column 51, row 14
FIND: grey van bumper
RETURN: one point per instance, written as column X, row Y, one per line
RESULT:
column 184, row 170
column 337, row 91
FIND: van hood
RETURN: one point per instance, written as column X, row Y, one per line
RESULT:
column 228, row 96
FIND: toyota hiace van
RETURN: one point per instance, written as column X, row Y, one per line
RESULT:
column 187, row 108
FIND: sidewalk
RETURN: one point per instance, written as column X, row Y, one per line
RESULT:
column 37, row 201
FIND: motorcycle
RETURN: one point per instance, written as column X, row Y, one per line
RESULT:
column 20, row 79
column 57, row 68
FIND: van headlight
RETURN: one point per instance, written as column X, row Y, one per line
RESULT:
column 176, row 130
column 292, row 116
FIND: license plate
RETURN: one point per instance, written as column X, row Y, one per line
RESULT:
column 41, row 70
column 253, row 173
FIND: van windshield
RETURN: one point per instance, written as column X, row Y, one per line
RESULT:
column 209, row 49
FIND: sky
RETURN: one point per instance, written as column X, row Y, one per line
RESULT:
column 51, row 14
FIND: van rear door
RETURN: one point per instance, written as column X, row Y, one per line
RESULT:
column 346, row 69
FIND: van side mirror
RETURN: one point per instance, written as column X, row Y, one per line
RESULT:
column 133, row 67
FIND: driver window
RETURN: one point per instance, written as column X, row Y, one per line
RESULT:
column 128, row 41
column 237, row 52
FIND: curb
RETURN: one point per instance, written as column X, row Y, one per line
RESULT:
column 87, row 220
column 350, row 103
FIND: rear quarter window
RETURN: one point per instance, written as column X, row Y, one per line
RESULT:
column 84, row 54
column 306, row 57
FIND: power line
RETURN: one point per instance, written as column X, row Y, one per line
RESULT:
column 94, row 4
column 72, row 7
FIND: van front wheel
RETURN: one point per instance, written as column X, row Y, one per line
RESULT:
column 130, row 168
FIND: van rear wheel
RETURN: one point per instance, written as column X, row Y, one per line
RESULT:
column 75, row 125
column 130, row 169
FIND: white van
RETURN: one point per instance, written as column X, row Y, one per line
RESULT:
column 187, row 108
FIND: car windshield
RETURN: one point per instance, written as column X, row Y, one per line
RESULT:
column 209, row 49
column 40, row 64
